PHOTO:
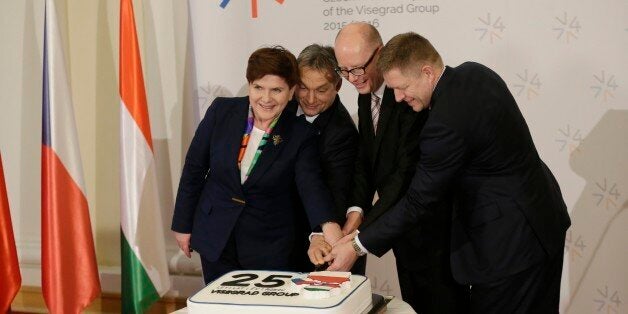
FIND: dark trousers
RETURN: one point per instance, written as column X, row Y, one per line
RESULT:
column 432, row 290
column 227, row 262
column 230, row 261
column 534, row 290
column 359, row 267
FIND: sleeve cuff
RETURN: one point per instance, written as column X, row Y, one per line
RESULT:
column 363, row 250
column 314, row 234
column 355, row 209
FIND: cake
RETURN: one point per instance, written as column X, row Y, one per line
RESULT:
column 278, row 292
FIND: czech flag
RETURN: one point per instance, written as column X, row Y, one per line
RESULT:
column 69, row 270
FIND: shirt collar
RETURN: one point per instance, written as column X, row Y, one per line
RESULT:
column 439, row 77
column 380, row 91
column 308, row 118
column 436, row 92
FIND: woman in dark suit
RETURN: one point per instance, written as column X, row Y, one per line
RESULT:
column 234, row 205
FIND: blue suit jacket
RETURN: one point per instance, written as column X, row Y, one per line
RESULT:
column 212, row 204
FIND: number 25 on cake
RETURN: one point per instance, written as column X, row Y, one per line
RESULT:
column 277, row 292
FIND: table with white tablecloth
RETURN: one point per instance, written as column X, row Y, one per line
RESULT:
column 393, row 306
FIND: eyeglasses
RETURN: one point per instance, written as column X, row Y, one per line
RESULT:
column 357, row 71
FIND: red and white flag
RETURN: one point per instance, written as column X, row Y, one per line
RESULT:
column 69, row 270
column 10, row 279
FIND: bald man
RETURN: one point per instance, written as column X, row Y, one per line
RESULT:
column 387, row 156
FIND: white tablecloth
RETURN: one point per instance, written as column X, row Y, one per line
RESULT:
column 395, row 306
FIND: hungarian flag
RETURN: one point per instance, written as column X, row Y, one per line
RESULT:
column 68, row 260
column 10, row 279
column 144, row 268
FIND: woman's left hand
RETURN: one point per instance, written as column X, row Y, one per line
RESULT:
column 183, row 240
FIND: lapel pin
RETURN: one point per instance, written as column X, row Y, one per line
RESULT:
column 277, row 139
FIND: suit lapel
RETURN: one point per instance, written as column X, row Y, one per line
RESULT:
column 323, row 119
column 276, row 141
column 364, row 113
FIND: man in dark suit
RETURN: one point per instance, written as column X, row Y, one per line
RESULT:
column 388, row 153
column 510, row 219
column 318, row 103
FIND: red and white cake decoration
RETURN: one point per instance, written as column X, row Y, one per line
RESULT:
column 323, row 284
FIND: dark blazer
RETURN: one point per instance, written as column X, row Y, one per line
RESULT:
column 212, row 204
column 386, row 163
column 338, row 147
column 476, row 146
column 386, row 160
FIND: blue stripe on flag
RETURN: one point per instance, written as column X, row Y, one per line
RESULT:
column 45, row 118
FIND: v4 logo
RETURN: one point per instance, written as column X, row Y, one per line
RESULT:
column 491, row 28
column 224, row 3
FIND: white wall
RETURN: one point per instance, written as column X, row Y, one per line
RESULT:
column 565, row 62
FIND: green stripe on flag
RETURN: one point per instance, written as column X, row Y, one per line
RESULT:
column 138, row 291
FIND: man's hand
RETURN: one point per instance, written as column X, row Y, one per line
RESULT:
column 318, row 250
column 343, row 255
column 347, row 238
column 354, row 220
column 332, row 232
column 183, row 240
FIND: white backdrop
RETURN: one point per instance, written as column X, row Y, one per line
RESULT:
column 565, row 62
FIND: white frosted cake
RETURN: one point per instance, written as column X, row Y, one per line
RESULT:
column 277, row 292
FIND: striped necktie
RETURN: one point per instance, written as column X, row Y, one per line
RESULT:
column 375, row 106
